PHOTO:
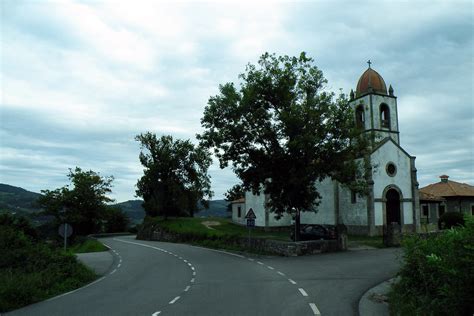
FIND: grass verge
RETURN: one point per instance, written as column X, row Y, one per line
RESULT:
column 88, row 245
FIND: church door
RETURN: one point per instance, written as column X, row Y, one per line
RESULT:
column 393, row 206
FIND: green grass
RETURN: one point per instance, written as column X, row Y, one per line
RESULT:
column 374, row 241
column 226, row 228
column 89, row 245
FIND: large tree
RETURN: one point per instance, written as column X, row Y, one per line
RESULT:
column 83, row 205
column 282, row 132
column 175, row 175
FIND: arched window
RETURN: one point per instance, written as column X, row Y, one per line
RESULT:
column 384, row 116
column 360, row 117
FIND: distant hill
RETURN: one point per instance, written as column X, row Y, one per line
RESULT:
column 18, row 200
column 22, row 202
column 217, row 208
column 133, row 209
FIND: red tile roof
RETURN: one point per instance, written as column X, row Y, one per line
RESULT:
column 448, row 188
column 430, row 197
column 241, row 200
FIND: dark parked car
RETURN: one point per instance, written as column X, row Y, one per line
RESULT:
column 315, row 232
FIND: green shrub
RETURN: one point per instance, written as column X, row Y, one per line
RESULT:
column 450, row 219
column 31, row 271
column 437, row 275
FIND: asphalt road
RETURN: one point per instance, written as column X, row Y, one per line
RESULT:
column 156, row 278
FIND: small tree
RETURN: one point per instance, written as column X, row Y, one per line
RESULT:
column 115, row 220
column 175, row 176
column 83, row 206
column 234, row 193
column 282, row 133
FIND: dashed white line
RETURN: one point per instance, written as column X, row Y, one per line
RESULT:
column 192, row 268
column 189, row 264
column 260, row 262
column 194, row 272
column 303, row 292
column 251, row 259
column 185, row 260
column 174, row 300
column 291, row 281
column 192, row 280
column 315, row 309
column 271, row 268
column 281, row 273
column 187, row 288
column 118, row 266
column 156, row 313
column 113, row 271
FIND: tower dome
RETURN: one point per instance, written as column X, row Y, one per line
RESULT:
column 371, row 81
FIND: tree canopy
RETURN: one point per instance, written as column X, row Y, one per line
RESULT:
column 175, row 175
column 84, row 205
column 282, row 132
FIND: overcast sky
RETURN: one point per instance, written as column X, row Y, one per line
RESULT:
column 79, row 79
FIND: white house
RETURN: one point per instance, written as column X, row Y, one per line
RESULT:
column 393, row 186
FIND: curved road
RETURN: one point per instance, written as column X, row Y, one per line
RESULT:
column 157, row 278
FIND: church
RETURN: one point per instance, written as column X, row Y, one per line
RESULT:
column 393, row 186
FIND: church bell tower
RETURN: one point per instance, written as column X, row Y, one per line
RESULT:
column 375, row 109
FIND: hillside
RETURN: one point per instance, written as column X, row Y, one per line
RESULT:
column 22, row 202
column 18, row 200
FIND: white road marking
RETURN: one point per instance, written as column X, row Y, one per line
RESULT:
column 189, row 264
column 115, row 270
column 194, row 272
column 291, row 281
column 180, row 258
column 221, row 251
column 251, row 259
column 315, row 309
column 187, row 288
column 271, row 268
column 192, row 268
column 185, row 260
column 118, row 266
column 259, row 262
column 174, row 300
column 64, row 294
column 303, row 292
column 156, row 313
column 281, row 273
column 192, row 280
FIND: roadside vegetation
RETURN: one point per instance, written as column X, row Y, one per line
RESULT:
column 217, row 233
column 437, row 275
column 32, row 270
column 88, row 245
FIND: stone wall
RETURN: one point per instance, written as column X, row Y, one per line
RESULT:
column 277, row 247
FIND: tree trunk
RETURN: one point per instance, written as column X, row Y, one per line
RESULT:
column 297, row 225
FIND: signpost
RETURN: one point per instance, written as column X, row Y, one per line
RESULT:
column 250, row 220
column 65, row 230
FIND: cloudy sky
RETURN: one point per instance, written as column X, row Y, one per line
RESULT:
column 79, row 79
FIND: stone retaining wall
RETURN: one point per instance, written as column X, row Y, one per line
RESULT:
column 282, row 248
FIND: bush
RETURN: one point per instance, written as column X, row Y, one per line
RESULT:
column 437, row 276
column 31, row 271
column 450, row 219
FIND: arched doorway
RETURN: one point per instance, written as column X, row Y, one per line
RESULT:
column 392, row 207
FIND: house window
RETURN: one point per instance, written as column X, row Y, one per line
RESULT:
column 353, row 197
column 239, row 211
column 426, row 211
column 384, row 116
column 360, row 117
column 441, row 210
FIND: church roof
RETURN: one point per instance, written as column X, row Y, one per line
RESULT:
column 241, row 200
column 371, row 81
column 448, row 188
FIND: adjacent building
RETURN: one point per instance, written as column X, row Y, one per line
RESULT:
column 446, row 196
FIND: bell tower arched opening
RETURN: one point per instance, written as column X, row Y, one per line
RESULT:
column 360, row 116
column 384, row 116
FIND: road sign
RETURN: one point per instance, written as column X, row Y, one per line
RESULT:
column 250, row 215
column 65, row 230
column 250, row 222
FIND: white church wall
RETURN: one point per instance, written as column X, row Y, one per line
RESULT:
column 378, row 213
column 256, row 202
column 325, row 211
column 352, row 213
column 235, row 213
column 407, row 212
column 389, row 152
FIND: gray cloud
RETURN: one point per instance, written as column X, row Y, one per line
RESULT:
column 80, row 79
